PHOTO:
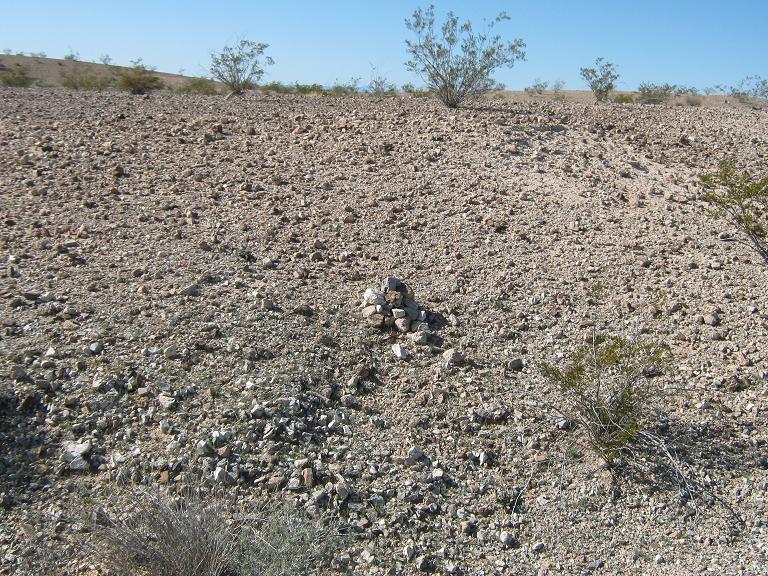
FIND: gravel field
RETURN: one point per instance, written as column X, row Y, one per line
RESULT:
column 182, row 279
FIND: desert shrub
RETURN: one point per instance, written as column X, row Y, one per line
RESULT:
column 538, row 87
column 38, row 54
column 457, row 63
column 138, row 79
column 308, row 88
column 197, row 86
column 741, row 199
column 275, row 87
column 16, row 76
column 165, row 536
column 557, row 89
column 750, row 87
column 655, row 93
column 343, row 88
column 84, row 77
column 379, row 83
column 624, row 99
column 239, row 67
column 607, row 390
column 693, row 100
column 72, row 56
column 601, row 79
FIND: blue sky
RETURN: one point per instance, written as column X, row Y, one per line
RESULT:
column 691, row 42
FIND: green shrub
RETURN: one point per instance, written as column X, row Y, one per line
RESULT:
column 17, row 76
column 343, row 88
column 197, row 86
column 601, row 79
column 308, row 88
column 138, row 79
column 457, row 63
column 538, row 87
column 624, row 99
column 379, row 83
column 557, row 89
column 751, row 87
column 276, row 87
column 655, row 93
column 742, row 199
column 239, row 67
column 607, row 390
column 84, row 77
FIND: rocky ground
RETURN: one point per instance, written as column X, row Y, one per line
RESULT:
column 182, row 304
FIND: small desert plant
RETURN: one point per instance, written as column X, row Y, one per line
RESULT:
column 624, row 99
column 275, row 86
column 649, row 93
column 352, row 86
column 607, row 390
column 379, row 83
column 750, row 87
column 105, row 59
column 17, row 76
column 693, row 100
column 84, row 77
column 743, row 200
column 458, row 64
column 72, row 56
column 557, row 89
column 239, row 67
column 184, row 536
column 601, row 79
column 197, row 86
column 538, row 87
column 138, row 79
column 308, row 88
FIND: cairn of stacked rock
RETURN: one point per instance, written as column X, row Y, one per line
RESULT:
column 394, row 307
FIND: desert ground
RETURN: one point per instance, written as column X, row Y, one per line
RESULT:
column 182, row 280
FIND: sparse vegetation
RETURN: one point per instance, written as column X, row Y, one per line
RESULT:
column 239, row 67
column 138, row 79
column 105, row 59
column 624, row 99
column 379, row 83
column 649, row 93
column 457, row 63
column 750, row 88
column 16, row 76
column 557, row 89
column 693, row 100
column 198, row 86
column 538, row 87
column 607, row 390
column 185, row 536
column 84, row 77
column 72, row 56
column 742, row 199
column 338, row 88
column 601, row 79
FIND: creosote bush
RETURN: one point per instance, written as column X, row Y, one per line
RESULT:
column 456, row 63
column 608, row 390
column 162, row 535
column 743, row 200
column 601, row 79
column 239, row 67
column 649, row 93
column 197, row 86
column 84, row 77
column 138, row 79
column 624, row 99
column 16, row 76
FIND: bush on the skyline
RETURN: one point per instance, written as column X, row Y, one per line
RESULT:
column 457, row 63
column 601, row 79
column 239, row 67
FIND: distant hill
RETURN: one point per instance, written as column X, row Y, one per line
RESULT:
column 48, row 71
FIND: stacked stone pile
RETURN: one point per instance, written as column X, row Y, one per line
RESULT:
column 394, row 306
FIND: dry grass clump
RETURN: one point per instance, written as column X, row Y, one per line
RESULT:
column 84, row 77
column 198, row 86
column 607, row 390
column 161, row 535
column 138, row 79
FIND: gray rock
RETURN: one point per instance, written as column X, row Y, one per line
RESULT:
column 453, row 357
column 400, row 352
